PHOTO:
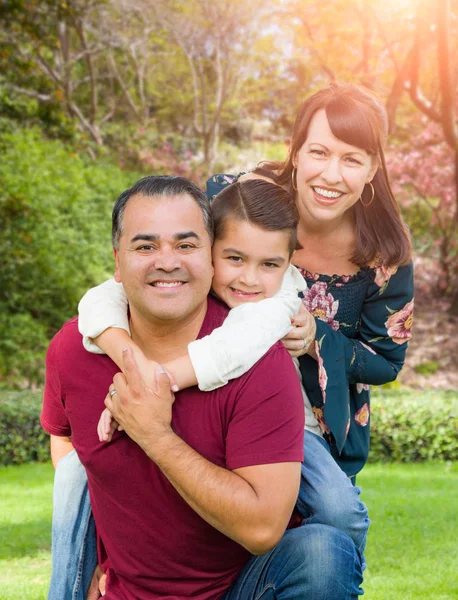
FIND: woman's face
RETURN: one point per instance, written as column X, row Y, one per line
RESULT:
column 331, row 174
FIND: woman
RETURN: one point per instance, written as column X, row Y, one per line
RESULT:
column 355, row 255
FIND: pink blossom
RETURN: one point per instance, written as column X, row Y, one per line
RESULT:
column 399, row 324
column 320, row 304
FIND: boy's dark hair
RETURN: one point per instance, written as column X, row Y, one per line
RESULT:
column 259, row 202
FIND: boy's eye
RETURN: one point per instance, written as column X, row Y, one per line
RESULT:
column 236, row 259
column 271, row 265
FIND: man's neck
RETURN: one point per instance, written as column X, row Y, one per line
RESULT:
column 165, row 340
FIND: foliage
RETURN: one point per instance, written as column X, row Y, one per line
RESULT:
column 422, row 169
column 55, row 218
column 409, row 426
column 406, row 426
column 22, row 437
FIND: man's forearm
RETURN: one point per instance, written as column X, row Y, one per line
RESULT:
column 224, row 498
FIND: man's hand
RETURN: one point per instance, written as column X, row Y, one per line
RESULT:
column 300, row 340
column 143, row 410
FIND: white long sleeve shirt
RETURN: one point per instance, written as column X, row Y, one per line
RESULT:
column 248, row 332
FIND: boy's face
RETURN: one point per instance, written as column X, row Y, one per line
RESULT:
column 249, row 262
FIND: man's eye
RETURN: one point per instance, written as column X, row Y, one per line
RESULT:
column 186, row 246
column 145, row 247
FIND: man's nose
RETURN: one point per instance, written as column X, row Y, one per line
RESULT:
column 167, row 260
column 332, row 171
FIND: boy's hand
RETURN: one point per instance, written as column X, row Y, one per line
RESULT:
column 107, row 426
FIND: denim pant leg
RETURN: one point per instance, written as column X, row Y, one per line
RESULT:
column 74, row 551
column 327, row 495
column 311, row 562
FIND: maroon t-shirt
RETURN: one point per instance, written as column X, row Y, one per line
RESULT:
column 153, row 545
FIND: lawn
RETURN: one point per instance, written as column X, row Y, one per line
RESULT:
column 411, row 551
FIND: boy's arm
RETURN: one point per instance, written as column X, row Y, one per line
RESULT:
column 100, row 308
column 60, row 447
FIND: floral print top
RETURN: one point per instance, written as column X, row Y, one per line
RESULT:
column 364, row 322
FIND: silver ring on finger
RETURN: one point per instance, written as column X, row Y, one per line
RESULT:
column 113, row 392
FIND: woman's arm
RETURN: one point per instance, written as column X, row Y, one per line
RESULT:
column 375, row 357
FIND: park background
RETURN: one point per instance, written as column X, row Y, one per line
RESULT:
column 95, row 94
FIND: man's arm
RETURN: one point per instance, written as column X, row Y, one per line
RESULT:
column 60, row 447
column 251, row 505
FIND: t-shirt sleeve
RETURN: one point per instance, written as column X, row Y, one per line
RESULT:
column 267, row 424
column 54, row 418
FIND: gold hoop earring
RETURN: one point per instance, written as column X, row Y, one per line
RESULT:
column 292, row 179
column 372, row 199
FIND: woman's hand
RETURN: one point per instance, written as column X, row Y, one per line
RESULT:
column 299, row 340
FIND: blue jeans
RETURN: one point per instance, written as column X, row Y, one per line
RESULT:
column 312, row 562
column 327, row 495
column 74, row 552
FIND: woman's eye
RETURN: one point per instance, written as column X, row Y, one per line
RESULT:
column 318, row 153
column 354, row 161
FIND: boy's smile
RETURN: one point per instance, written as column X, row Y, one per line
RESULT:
column 249, row 262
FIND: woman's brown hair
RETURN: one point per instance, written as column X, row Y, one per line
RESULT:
column 356, row 117
column 258, row 202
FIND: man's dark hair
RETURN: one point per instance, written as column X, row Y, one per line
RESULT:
column 160, row 185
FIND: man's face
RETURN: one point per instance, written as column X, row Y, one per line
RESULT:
column 164, row 257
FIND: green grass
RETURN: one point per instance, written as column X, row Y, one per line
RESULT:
column 411, row 550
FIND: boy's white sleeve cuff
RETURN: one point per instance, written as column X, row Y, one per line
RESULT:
column 102, row 307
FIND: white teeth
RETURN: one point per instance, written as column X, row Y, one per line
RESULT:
column 327, row 193
column 167, row 283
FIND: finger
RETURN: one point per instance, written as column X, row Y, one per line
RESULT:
column 130, row 369
column 119, row 383
column 162, row 381
column 173, row 383
column 107, row 420
column 113, row 427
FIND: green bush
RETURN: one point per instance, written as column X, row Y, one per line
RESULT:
column 411, row 426
column 55, row 242
column 21, row 437
column 407, row 426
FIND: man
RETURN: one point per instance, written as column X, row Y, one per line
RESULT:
column 203, row 481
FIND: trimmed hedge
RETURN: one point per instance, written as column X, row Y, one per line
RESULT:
column 407, row 426
column 414, row 426
column 22, row 439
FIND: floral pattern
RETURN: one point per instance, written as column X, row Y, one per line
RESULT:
column 362, row 387
column 362, row 415
column 399, row 324
column 321, row 305
column 322, row 375
column 318, row 412
column 383, row 275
